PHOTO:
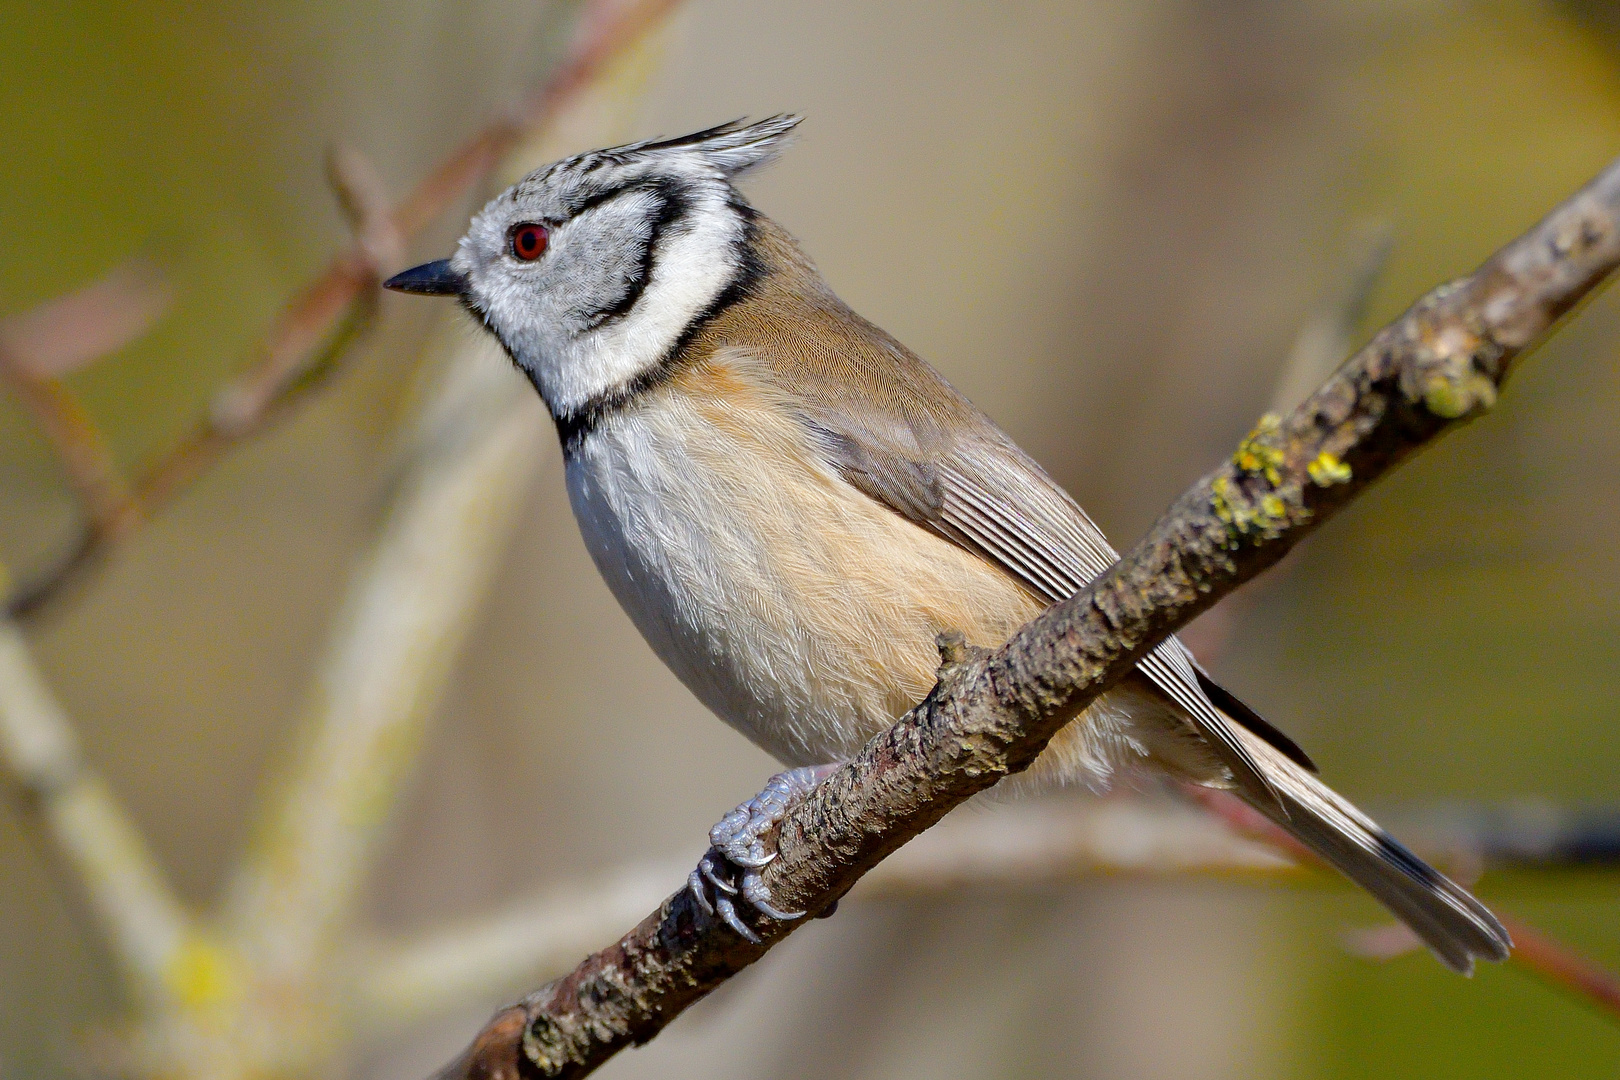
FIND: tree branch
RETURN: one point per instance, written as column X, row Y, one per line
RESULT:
column 146, row 926
column 393, row 646
column 992, row 713
column 41, row 347
column 1036, row 841
column 312, row 325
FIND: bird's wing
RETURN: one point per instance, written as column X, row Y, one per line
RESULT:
column 990, row 498
column 893, row 428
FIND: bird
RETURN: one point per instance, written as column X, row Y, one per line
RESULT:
column 792, row 507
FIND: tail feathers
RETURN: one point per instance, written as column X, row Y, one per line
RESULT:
column 1455, row 926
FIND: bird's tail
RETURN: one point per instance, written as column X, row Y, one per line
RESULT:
column 1455, row 926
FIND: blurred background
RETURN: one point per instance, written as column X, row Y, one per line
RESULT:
column 1107, row 221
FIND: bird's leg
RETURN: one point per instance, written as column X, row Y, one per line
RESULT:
column 743, row 844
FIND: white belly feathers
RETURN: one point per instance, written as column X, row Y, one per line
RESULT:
column 804, row 614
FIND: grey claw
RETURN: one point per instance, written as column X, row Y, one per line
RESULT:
column 728, row 913
column 738, row 846
column 699, row 893
column 757, row 895
column 752, row 861
column 720, row 883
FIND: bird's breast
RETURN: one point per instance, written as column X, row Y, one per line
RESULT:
column 798, row 609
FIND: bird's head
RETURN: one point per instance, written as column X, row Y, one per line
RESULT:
column 590, row 271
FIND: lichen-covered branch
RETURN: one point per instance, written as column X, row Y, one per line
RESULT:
column 992, row 713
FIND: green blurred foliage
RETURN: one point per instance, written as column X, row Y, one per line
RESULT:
column 1407, row 1018
column 1456, row 634
column 194, row 135
column 1478, row 584
column 147, row 128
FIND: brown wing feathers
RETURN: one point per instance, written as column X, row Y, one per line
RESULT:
column 895, row 430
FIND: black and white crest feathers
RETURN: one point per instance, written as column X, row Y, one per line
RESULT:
column 733, row 148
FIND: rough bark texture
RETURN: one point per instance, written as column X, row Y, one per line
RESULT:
column 992, row 713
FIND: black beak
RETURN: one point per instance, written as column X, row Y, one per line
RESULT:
column 431, row 279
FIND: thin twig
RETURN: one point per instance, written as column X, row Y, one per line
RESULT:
column 1463, row 851
column 87, row 460
column 1563, row 967
column 991, row 714
column 1536, row 951
column 364, row 201
column 314, row 316
column 41, row 347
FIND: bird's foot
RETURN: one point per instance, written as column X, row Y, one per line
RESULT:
column 743, row 844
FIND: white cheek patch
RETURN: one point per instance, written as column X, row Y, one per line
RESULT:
column 622, row 281
column 690, row 268
column 549, row 314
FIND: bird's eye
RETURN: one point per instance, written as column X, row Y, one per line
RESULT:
column 529, row 242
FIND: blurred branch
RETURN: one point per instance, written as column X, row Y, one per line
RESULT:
column 364, row 201
column 61, row 336
column 1024, row 844
column 257, row 994
column 298, row 341
column 992, row 713
column 145, row 924
column 463, row 469
column 41, row 347
column 1534, row 950
column 390, row 657
column 1324, row 342
column 1021, row 845
column 1481, row 836
column 1561, row 966
column 497, row 955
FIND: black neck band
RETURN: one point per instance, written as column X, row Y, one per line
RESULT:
column 577, row 424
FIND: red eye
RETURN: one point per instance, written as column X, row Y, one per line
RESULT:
column 529, row 242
